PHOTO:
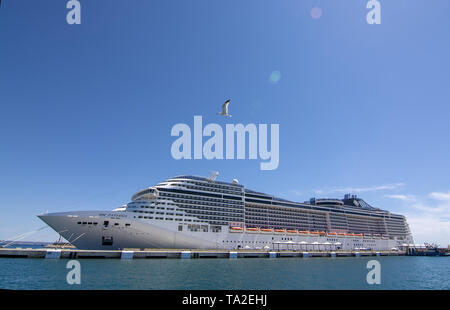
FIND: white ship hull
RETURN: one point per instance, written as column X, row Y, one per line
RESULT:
column 124, row 230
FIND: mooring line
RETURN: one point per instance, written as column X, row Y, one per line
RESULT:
column 20, row 237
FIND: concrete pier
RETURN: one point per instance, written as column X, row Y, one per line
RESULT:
column 127, row 255
column 181, row 253
column 55, row 254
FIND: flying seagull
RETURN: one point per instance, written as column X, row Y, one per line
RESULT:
column 225, row 109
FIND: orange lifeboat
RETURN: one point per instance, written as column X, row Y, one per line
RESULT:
column 322, row 233
column 314, row 232
column 280, row 230
column 251, row 229
column 236, row 228
column 266, row 230
column 358, row 235
column 332, row 234
column 341, row 234
column 292, row 231
column 305, row 232
column 351, row 234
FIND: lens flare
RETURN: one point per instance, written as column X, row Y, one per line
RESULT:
column 316, row 12
column 275, row 77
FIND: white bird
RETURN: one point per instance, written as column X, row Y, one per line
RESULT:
column 213, row 175
column 225, row 109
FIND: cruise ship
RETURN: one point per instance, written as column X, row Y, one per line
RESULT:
column 192, row 212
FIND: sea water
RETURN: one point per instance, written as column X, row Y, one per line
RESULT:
column 397, row 272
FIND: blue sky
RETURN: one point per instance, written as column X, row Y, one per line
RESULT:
column 86, row 110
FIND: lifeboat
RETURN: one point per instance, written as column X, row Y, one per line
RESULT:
column 280, row 230
column 358, row 235
column 322, row 233
column 351, row 234
column 342, row 234
column 332, row 234
column 252, row 229
column 314, row 232
column 292, row 231
column 236, row 229
column 305, row 232
column 268, row 230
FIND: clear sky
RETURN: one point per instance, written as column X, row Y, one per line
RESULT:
column 86, row 110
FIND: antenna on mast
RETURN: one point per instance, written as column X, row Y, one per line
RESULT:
column 213, row 175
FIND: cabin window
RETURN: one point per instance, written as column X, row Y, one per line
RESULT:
column 180, row 228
